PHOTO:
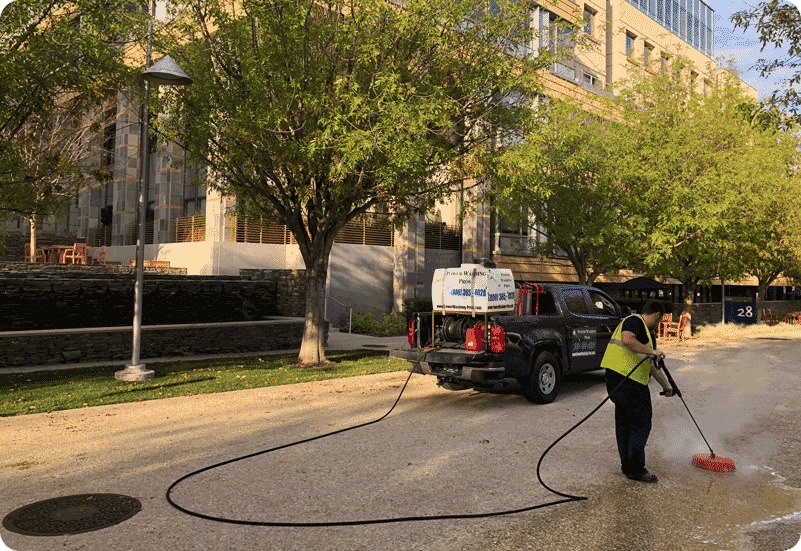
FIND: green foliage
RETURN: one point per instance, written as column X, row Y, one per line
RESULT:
column 564, row 177
column 778, row 24
column 317, row 111
column 390, row 325
column 58, row 61
column 412, row 305
column 698, row 174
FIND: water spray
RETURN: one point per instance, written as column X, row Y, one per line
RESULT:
column 708, row 461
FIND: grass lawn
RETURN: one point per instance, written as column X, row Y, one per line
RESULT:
column 45, row 391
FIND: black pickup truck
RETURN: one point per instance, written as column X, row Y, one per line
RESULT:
column 562, row 329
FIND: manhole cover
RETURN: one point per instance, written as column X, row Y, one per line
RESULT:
column 71, row 514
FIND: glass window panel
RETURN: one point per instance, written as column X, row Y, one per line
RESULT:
column 675, row 27
column 575, row 302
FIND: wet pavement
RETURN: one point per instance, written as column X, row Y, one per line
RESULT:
column 439, row 452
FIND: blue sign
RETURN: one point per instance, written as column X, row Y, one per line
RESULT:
column 741, row 312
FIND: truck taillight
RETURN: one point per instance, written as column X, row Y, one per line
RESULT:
column 497, row 339
column 474, row 339
column 411, row 332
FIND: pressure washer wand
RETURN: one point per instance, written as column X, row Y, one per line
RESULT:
column 677, row 392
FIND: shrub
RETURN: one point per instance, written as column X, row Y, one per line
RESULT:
column 390, row 325
column 412, row 305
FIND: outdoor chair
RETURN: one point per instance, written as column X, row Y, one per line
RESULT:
column 77, row 254
column 39, row 256
column 675, row 330
column 666, row 319
column 98, row 257
column 769, row 317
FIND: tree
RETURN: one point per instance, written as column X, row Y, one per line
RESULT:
column 770, row 237
column 698, row 170
column 59, row 61
column 59, row 158
column 778, row 24
column 313, row 113
column 563, row 180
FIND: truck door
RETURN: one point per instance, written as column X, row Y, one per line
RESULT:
column 606, row 319
column 581, row 330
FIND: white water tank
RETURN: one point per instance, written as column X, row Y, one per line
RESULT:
column 473, row 289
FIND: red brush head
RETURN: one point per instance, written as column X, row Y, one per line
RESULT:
column 713, row 463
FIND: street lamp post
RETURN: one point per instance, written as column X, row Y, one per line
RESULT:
column 166, row 72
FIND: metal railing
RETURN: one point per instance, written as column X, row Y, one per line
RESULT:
column 368, row 229
column 99, row 237
column 438, row 235
column 133, row 234
column 189, row 229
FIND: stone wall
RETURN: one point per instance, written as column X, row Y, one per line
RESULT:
column 289, row 287
column 48, row 296
column 16, row 243
column 33, row 348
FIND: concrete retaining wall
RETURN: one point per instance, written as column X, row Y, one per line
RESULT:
column 29, row 348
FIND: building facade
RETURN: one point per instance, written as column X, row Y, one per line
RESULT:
column 192, row 226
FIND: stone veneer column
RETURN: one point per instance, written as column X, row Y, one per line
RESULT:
column 216, row 207
column 90, row 198
column 126, row 170
column 410, row 254
column 476, row 234
column 169, row 192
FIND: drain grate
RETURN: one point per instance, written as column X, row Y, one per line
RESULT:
column 71, row 514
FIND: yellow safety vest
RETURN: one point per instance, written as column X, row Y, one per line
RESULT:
column 619, row 358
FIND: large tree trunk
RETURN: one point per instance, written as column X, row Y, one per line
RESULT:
column 311, row 349
column 33, row 238
column 689, row 288
column 764, row 282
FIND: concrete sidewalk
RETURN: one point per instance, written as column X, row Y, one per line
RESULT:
column 336, row 341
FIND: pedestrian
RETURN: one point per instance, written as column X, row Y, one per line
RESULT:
column 632, row 340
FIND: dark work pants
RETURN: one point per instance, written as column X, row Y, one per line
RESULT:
column 632, row 420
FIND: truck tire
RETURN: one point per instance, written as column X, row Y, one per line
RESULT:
column 543, row 384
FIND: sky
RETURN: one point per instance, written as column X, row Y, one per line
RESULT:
column 744, row 47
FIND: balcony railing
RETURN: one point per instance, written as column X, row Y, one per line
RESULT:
column 133, row 234
column 189, row 229
column 368, row 229
column 443, row 237
column 99, row 237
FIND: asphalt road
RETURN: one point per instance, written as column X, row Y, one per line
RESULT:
column 440, row 452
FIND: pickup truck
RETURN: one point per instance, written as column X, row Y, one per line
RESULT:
column 561, row 329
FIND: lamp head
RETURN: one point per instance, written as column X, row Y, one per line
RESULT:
column 166, row 71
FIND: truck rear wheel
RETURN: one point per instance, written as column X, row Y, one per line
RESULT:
column 543, row 384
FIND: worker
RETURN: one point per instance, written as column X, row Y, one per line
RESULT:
column 632, row 340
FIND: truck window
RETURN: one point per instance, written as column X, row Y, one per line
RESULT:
column 547, row 306
column 574, row 299
column 603, row 306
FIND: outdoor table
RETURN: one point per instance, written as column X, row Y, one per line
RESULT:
column 53, row 252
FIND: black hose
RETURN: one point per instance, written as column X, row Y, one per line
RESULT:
column 360, row 522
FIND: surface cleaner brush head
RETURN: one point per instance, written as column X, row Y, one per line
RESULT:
column 713, row 462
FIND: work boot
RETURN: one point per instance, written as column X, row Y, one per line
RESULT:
column 644, row 476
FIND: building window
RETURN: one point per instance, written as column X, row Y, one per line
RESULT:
column 647, row 54
column 589, row 17
column 663, row 62
column 693, row 79
column 630, row 44
column 591, row 81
